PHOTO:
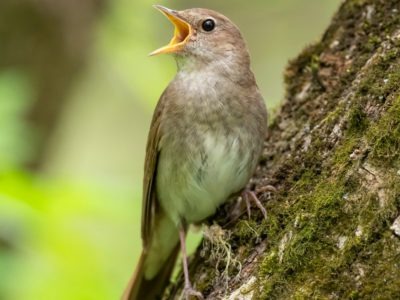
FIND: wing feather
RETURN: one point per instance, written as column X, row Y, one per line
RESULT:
column 150, row 202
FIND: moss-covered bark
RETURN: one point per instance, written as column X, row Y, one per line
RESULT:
column 333, row 153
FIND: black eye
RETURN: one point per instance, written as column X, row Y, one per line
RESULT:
column 208, row 25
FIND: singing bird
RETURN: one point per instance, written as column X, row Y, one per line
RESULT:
column 204, row 143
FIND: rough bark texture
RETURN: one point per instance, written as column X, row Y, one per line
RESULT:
column 333, row 153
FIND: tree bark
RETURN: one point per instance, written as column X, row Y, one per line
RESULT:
column 333, row 154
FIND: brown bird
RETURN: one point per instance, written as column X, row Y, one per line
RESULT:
column 204, row 143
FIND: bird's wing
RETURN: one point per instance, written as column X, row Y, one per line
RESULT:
column 150, row 202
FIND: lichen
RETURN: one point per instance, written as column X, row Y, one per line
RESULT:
column 218, row 250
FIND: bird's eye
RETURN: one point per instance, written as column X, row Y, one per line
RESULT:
column 208, row 25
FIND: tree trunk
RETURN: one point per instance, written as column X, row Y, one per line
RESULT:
column 333, row 154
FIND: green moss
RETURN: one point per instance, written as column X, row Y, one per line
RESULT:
column 321, row 211
column 358, row 120
column 247, row 230
column 314, row 63
column 373, row 41
column 310, row 260
column 342, row 157
column 384, row 137
column 383, row 79
column 333, row 226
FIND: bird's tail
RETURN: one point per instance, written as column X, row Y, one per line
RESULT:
column 156, row 264
column 140, row 288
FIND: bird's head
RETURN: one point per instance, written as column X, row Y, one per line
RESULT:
column 204, row 36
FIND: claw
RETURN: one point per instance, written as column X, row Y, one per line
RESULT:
column 191, row 292
column 246, row 194
column 267, row 188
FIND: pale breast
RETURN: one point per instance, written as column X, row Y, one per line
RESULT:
column 202, row 176
column 211, row 140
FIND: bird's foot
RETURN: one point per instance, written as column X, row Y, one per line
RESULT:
column 189, row 292
column 266, row 188
column 250, row 196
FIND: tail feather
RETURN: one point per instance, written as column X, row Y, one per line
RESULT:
column 140, row 288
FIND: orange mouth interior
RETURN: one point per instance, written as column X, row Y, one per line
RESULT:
column 182, row 33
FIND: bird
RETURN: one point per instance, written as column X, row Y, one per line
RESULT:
column 204, row 142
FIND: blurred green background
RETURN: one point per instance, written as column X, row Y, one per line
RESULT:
column 77, row 91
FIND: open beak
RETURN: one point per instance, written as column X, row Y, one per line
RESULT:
column 182, row 33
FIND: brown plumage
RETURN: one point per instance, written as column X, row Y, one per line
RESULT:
column 204, row 142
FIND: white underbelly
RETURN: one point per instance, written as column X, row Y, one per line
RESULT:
column 193, row 188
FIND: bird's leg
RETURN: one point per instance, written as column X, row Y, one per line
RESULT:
column 250, row 196
column 188, row 290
